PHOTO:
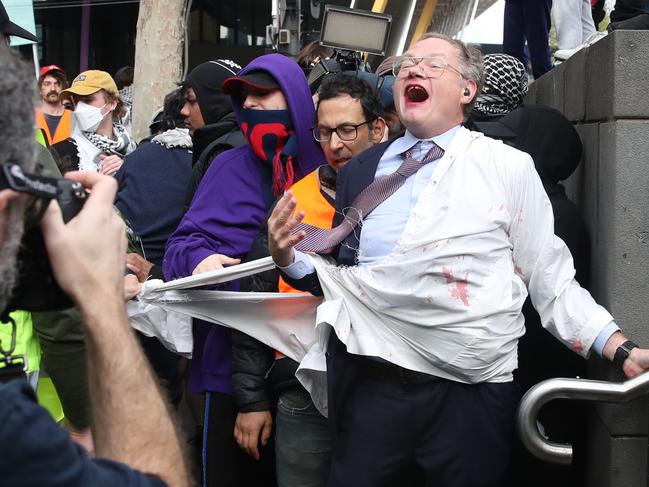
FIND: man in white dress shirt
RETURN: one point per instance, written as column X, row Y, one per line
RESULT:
column 423, row 309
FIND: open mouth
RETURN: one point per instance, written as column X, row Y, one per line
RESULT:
column 340, row 160
column 416, row 94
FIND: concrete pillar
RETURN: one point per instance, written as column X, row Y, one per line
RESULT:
column 603, row 91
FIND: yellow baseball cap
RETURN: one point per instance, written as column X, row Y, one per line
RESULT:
column 90, row 82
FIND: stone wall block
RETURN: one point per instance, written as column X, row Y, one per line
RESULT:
column 575, row 86
column 616, row 73
column 622, row 259
column 614, row 461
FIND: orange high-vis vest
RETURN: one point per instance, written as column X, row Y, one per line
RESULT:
column 317, row 212
column 63, row 129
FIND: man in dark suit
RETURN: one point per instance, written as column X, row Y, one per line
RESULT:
column 423, row 310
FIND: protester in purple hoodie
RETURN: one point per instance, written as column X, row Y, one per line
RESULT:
column 273, row 105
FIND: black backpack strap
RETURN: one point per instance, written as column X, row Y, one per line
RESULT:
column 231, row 139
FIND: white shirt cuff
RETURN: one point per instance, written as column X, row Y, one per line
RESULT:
column 604, row 335
column 301, row 266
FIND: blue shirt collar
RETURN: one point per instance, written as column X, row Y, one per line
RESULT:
column 407, row 141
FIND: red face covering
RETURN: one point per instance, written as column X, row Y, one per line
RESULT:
column 270, row 135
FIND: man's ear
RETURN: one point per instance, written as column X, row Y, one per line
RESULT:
column 377, row 129
column 468, row 92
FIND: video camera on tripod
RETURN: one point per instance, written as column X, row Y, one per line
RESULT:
column 349, row 32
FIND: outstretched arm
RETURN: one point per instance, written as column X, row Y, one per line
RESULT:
column 132, row 423
column 544, row 262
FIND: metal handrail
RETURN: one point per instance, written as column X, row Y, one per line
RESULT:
column 574, row 389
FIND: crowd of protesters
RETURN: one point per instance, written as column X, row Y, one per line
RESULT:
column 246, row 162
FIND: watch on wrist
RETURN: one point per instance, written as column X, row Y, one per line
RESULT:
column 622, row 353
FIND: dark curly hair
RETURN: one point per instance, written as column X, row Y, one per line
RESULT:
column 124, row 77
column 173, row 104
column 356, row 88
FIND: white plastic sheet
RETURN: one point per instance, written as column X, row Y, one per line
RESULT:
column 283, row 321
column 173, row 330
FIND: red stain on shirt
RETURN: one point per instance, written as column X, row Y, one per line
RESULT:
column 519, row 271
column 461, row 290
column 577, row 346
column 448, row 274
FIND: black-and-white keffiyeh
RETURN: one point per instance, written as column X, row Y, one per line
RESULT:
column 126, row 94
column 121, row 145
column 505, row 85
column 177, row 138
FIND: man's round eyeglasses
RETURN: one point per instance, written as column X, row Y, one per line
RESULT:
column 346, row 132
column 434, row 66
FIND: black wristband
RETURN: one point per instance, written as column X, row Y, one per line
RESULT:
column 622, row 353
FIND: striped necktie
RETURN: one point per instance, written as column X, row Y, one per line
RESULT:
column 324, row 241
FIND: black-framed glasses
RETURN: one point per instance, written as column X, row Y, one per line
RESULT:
column 346, row 132
column 434, row 65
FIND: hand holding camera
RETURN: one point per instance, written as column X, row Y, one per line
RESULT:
column 87, row 254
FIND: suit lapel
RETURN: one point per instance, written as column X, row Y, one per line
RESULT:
column 356, row 176
column 364, row 173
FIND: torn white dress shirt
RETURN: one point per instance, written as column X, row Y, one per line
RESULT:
column 447, row 300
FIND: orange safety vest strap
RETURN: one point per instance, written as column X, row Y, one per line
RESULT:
column 63, row 129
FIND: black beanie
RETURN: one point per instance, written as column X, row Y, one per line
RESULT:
column 206, row 79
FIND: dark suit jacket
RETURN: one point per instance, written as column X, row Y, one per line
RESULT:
column 353, row 178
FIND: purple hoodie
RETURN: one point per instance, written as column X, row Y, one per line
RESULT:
column 228, row 208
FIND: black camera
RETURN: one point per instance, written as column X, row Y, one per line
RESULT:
column 341, row 61
column 36, row 288
column 349, row 32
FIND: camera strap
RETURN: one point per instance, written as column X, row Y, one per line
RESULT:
column 12, row 366
column 13, row 177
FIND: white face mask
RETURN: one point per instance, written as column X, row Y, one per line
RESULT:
column 88, row 117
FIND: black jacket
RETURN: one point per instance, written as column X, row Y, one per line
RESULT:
column 257, row 378
column 208, row 142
